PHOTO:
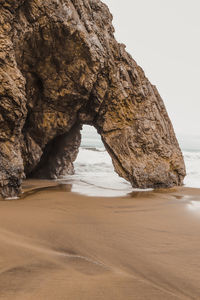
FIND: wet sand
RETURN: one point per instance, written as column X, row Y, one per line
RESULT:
column 55, row 244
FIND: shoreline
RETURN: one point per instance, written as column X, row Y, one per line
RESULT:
column 34, row 186
column 56, row 244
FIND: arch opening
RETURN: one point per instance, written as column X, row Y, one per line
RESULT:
column 94, row 172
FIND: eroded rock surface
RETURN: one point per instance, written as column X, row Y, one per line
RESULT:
column 60, row 67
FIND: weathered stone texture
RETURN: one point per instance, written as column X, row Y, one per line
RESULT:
column 60, row 67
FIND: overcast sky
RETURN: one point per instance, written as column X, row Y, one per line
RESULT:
column 164, row 38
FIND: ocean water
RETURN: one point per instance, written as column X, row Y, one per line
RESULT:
column 94, row 172
column 190, row 145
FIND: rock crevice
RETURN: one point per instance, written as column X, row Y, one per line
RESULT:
column 61, row 67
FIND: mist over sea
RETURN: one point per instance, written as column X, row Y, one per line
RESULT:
column 95, row 175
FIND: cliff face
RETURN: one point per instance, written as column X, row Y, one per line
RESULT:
column 60, row 67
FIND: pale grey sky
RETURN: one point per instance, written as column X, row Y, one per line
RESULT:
column 163, row 36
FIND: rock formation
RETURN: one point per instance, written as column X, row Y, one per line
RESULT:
column 61, row 67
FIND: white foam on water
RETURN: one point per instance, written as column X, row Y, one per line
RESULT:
column 95, row 175
column 192, row 162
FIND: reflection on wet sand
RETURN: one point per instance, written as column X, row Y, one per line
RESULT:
column 55, row 244
column 194, row 206
column 31, row 190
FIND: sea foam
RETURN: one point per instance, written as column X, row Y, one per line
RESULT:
column 95, row 175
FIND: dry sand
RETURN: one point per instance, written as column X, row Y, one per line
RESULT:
column 58, row 245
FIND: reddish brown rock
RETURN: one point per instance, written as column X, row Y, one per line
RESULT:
column 60, row 67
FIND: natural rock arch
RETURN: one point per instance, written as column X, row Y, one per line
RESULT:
column 61, row 67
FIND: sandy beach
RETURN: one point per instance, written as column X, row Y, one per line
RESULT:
column 55, row 244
